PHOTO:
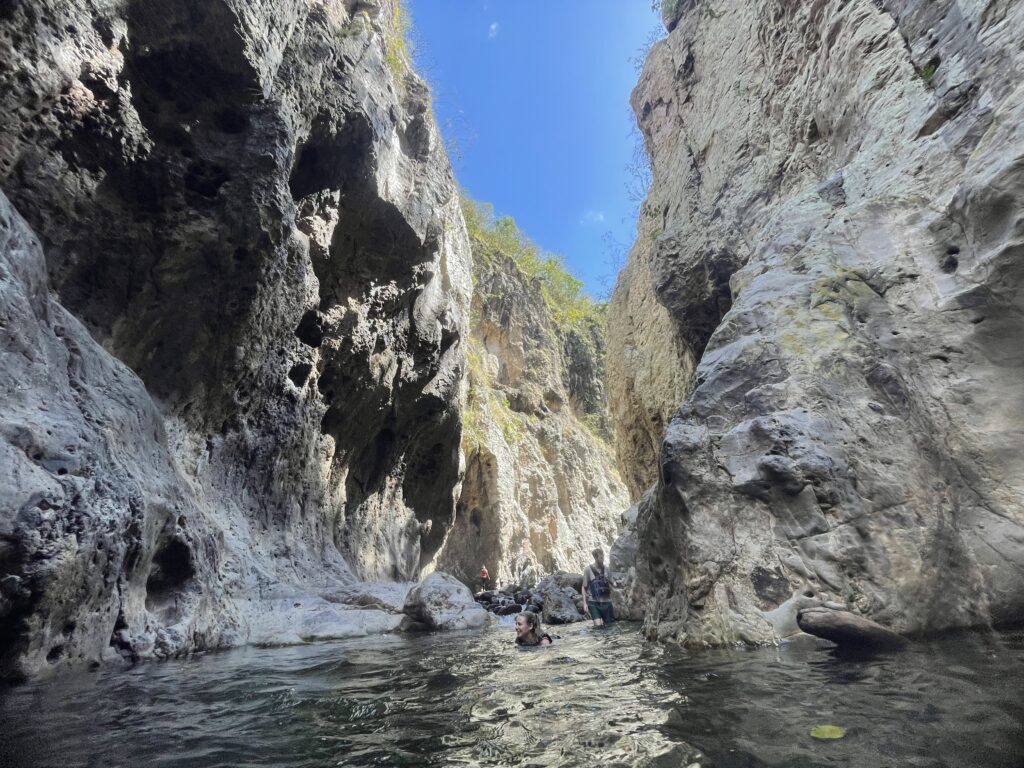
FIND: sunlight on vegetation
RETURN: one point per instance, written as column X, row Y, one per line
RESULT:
column 569, row 306
column 398, row 46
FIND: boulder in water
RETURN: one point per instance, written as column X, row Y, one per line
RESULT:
column 560, row 605
column 441, row 601
column 848, row 630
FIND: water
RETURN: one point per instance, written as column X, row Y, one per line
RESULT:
column 594, row 699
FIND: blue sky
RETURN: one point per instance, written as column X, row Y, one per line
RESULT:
column 534, row 96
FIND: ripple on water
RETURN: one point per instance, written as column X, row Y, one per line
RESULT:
column 604, row 698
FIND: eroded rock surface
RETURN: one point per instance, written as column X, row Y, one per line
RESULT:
column 835, row 227
column 441, row 601
column 248, row 209
column 541, row 486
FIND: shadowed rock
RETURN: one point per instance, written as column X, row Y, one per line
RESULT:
column 848, row 630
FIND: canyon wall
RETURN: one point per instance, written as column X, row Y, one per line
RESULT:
column 235, row 283
column 836, row 231
column 541, row 485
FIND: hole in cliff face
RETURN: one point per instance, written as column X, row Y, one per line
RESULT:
column 171, row 571
column 310, row 331
column 299, row 374
column 205, row 179
column 949, row 262
column 705, row 316
column 371, row 466
column 333, row 159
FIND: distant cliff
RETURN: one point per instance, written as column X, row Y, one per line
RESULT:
column 829, row 269
column 541, row 487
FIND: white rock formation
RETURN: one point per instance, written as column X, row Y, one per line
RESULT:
column 836, row 226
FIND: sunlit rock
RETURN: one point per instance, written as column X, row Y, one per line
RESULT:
column 833, row 235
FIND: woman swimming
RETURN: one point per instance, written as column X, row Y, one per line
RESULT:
column 528, row 630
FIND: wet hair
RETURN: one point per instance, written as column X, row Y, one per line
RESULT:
column 597, row 551
column 533, row 633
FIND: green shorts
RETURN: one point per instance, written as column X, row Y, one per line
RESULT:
column 601, row 611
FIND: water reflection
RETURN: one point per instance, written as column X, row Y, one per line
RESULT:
column 595, row 697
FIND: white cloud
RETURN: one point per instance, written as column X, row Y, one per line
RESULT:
column 492, row 31
column 592, row 217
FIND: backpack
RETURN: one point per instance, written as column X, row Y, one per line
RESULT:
column 599, row 587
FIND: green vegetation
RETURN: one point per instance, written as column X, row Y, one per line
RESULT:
column 927, row 72
column 397, row 42
column 570, row 308
column 828, row 732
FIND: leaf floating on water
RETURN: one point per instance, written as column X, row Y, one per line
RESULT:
column 828, row 732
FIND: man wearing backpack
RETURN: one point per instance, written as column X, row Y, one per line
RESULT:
column 597, row 591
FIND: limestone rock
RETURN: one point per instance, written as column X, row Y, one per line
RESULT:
column 441, row 601
column 248, row 209
column 562, row 605
column 834, row 231
column 848, row 630
column 561, row 580
column 649, row 366
column 541, row 487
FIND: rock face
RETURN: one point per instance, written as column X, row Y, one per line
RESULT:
column 541, row 487
column 247, row 208
column 650, row 367
column 835, row 228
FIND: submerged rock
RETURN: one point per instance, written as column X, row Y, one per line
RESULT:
column 848, row 630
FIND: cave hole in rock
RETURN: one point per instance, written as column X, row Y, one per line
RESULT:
column 55, row 653
column 949, row 261
column 333, row 158
column 371, row 465
column 299, row 373
column 205, row 179
column 310, row 330
column 171, row 571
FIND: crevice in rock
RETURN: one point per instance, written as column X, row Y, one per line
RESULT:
column 169, row 575
column 311, row 330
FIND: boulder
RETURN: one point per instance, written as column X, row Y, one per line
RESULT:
column 441, row 601
column 561, row 579
column 848, row 630
column 560, row 605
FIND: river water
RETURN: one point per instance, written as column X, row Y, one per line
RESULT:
column 596, row 698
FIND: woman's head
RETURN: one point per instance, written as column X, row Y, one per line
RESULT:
column 528, row 627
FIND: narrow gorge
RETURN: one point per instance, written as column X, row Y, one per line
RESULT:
column 265, row 366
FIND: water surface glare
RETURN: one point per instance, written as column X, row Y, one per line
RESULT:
column 597, row 698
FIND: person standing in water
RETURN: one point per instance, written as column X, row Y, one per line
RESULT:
column 597, row 591
column 528, row 630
